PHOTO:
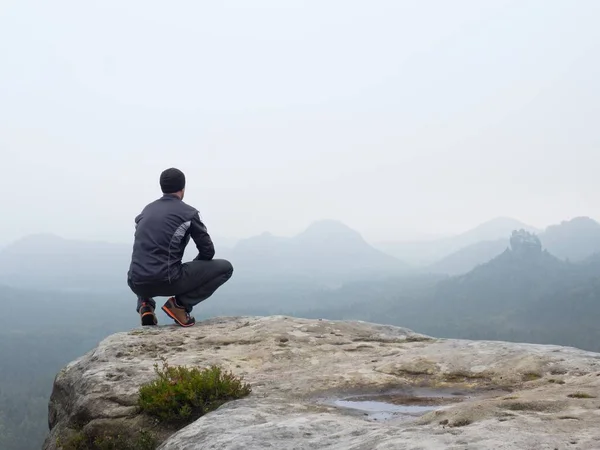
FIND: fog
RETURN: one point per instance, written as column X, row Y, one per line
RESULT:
column 400, row 118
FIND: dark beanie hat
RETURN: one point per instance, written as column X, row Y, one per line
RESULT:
column 172, row 180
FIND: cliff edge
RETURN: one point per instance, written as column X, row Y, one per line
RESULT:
column 320, row 384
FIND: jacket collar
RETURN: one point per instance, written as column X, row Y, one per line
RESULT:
column 171, row 196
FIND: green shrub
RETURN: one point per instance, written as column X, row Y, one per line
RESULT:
column 143, row 440
column 77, row 441
column 182, row 394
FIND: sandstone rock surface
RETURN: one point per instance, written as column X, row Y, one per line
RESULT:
column 513, row 396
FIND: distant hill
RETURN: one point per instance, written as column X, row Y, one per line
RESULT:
column 424, row 253
column 467, row 258
column 575, row 240
column 506, row 279
column 526, row 294
column 51, row 262
column 326, row 250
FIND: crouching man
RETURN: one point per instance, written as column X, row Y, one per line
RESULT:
column 163, row 230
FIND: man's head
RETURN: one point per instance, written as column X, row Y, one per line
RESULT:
column 172, row 181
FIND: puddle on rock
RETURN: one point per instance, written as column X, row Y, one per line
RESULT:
column 400, row 405
column 383, row 411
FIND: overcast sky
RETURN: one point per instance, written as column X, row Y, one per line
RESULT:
column 400, row 118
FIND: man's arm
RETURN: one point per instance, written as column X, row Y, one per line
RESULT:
column 199, row 233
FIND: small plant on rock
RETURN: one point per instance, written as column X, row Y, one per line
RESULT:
column 531, row 376
column 461, row 423
column 181, row 394
column 143, row 440
column 580, row 395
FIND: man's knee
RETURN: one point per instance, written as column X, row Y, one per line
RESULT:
column 225, row 268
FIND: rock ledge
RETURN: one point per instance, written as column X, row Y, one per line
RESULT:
column 518, row 395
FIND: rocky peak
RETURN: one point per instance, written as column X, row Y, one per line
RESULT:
column 311, row 377
column 524, row 243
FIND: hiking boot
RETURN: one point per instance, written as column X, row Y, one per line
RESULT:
column 178, row 313
column 147, row 315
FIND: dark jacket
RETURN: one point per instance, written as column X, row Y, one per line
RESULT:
column 162, row 231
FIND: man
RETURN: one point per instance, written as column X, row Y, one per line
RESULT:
column 162, row 232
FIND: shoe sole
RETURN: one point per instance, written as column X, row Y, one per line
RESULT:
column 149, row 319
column 172, row 316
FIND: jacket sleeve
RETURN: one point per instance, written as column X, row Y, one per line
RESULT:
column 199, row 233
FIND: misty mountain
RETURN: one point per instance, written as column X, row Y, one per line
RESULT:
column 51, row 262
column 328, row 251
column 469, row 257
column 575, row 240
column 424, row 253
column 506, row 279
column 524, row 294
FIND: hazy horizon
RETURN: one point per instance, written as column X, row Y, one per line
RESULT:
column 230, row 241
column 401, row 119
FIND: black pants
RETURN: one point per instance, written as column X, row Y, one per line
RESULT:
column 198, row 281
